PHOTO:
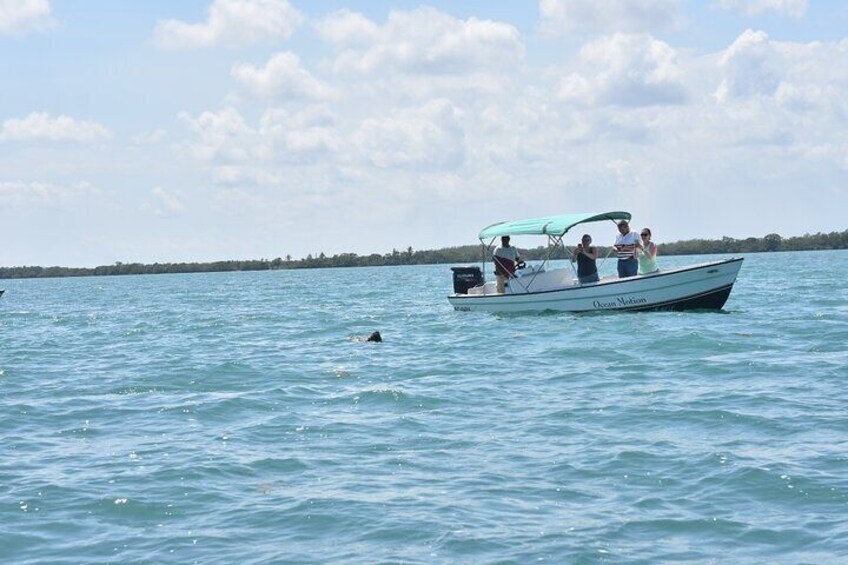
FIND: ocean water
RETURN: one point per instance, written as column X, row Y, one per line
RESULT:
column 241, row 418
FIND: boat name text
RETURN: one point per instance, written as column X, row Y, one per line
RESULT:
column 620, row 302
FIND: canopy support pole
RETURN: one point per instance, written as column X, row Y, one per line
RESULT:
column 553, row 243
column 486, row 253
column 604, row 260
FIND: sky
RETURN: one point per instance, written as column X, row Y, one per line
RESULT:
column 206, row 130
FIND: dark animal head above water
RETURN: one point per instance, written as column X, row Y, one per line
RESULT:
column 376, row 337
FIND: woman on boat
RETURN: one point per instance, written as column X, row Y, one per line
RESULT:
column 585, row 255
column 648, row 256
column 625, row 247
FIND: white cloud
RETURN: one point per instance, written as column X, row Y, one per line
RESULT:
column 794, row 8
column 430, row 136
column 422, row 41
column 265, row 155
column 29, row 193
column 232, row 22
column 805, row 97
column 565, row 16
column 806, row 79
column 223, row 137
column 312, row 130
column 287, row 143
column 751, row 65
column 625, row 70
column 41, row 126
column 167, row 203
column 282, row 77
column 24, row 16
column 346, row 27
column 786, row 100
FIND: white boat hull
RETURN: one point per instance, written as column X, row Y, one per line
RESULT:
column 704, row 286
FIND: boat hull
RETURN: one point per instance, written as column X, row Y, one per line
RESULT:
column 706, row 286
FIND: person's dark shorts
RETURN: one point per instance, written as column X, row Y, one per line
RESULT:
column 593, row 278
column 627, row 267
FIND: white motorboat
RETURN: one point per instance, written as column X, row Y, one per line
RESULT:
column 540, row 288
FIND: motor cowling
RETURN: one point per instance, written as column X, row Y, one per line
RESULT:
column 466, row 277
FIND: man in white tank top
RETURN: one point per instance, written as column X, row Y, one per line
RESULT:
column 506, row 260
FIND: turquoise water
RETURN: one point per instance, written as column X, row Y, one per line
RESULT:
column 239, row 418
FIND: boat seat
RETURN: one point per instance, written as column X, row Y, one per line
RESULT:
column 546, row 280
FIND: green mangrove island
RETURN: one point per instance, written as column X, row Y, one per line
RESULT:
column 463, row 254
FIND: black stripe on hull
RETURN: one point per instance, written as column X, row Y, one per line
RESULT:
column 711, row 300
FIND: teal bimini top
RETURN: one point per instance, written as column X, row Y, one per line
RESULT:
column 551, row 225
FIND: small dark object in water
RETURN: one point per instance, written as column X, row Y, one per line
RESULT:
column 376, row 337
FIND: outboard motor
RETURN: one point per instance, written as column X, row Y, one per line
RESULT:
column 465, row 278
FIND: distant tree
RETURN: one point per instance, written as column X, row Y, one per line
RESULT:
column 772, row 242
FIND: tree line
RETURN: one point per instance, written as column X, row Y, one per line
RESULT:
column 462, row 254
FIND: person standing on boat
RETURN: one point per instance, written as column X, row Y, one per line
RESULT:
column 648, row 256
column 586, row 255
column 506, row 259
column 625, row 246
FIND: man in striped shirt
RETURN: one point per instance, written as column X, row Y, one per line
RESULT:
column 625, row 247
